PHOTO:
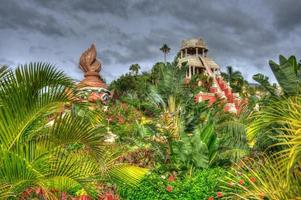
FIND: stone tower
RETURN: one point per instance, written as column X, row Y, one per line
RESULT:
column 194, row 52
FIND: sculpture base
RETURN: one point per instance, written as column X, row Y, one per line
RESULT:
column 92, row 80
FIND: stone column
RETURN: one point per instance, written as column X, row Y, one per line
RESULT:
column 197, row 51
column 185, row 52
column 181, row 53
column 189, row 75
column 203, row 52
column 193, row 70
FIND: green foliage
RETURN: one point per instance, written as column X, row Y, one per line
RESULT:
column 131, row 83
column 134, row 68
column 203, row 185
column 264, row 82
column 288, row 74
column 231, row 131
column 262, row 178
column 196, row 151
column 235, row 79
column 42, row 147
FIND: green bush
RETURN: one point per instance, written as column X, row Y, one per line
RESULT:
column 202, row 185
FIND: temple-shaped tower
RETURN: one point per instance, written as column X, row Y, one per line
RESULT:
column 194, row 52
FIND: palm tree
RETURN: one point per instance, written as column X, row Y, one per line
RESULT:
column 234, row 78
column 277, row 174
column 43, row 145
column 134, row 68
column 165, row 49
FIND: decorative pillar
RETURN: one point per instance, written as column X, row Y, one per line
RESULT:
column 189, row 72
column 197, row 52
column 193, row 70
column 181, row 53
column 185, row 52
column 203, row 52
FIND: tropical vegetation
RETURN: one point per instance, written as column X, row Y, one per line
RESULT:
column 165, row 145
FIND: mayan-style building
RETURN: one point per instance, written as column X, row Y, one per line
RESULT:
column 194, row 52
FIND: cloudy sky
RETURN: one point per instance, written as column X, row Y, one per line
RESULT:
column 241, row 33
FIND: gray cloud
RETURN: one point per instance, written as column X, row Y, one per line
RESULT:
column 287, row 14
column 238, row 33
column 16, row 15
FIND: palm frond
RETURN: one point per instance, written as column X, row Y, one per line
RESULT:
column 260, row 179
column 29, row 93
column 124, row 174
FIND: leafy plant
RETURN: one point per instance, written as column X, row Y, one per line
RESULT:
column 203, row 185
column 260, row 179
column 198, row 150
column 288, row 74
column 44, row 146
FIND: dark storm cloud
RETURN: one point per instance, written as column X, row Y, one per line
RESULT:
column 19, row 15
column 244, row 34
column 287, row 14
column 114, row 7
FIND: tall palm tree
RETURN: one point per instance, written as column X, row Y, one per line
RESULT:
column 42, row 147
column 165, row 49
column 134, row 68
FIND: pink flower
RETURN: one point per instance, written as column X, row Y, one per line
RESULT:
column 169, row 188
column 64, row 196
column 110, row 118
column 219, row 194
column 241, row 181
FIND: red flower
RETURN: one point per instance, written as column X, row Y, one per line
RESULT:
column 169, row 188
column 109, row 196
column 120, row 119
column 171, row 178
column 84, row 197
column 219, row 194
column 39, row 191
column 211, row 198
column 253, row 179
column 241, row 182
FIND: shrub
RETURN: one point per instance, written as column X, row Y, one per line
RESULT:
column 202, row 185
